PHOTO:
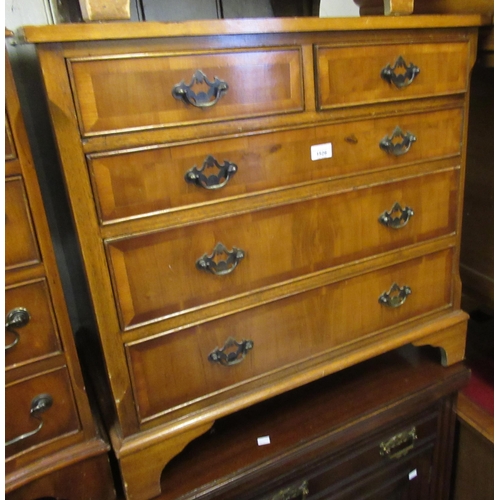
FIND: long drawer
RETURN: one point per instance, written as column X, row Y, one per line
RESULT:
column 39, row 409
column 163, row 273
column 355, row 75
column 154, row 90
column 31, row 329
column 179, row 367
column 145, row 181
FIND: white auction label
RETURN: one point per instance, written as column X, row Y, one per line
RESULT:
column 321, row 151
column 412, row 474
column 263, row 440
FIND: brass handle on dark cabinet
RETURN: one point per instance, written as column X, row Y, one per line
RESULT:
column 215, row 91
column 293, row 492
column 401, row 74
column 399, row 445
column 16, row 318
column 39, row 405
column 399, row 143
column 215, row 265
column 395, row 297
column 236, row 352
column 204, row 177
column 397, row 217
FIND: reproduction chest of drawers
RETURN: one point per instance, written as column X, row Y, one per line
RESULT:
column 258, row 203
column 49, row 426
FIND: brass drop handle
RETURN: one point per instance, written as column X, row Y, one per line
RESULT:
column 236, row 352
column 401, row 74
column 215, row 263
column 16, row 318
column 203, row 99
column 395, row 297
column 39, row 405
column 293, row 492
column 204, row 176
column 397, row 217
column 399, row 445
column 397, row 144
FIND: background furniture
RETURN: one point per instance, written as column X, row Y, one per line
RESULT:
column 250, row 219
column 51, row 437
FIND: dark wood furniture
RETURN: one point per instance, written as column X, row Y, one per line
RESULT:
column 382, row 429
column 258, row 205
column 51, row 436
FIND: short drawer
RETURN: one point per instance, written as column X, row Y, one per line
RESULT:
column 163, row 273
column 31, row 331
column 154, row 90
column 281, row 333
column 21, row 248
column 349, row 76
column 160, row 178
column 39, row 409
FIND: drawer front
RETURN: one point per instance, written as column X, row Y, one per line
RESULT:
column 391, row 463
column 160, row 274
column 57, row 416
column 283, row 332
column 129, row 184
column 10, row 150
column 32, row 331
column 21, row 248
column 134, row 91
column 349, row 76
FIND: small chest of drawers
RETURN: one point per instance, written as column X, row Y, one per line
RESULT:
column 258, row 204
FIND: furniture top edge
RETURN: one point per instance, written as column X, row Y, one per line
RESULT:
column 134, row 30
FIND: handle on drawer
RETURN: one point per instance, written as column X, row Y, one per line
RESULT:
column 397, row 217
column 39, row 404
column 401, row 74
column 399, row 143
column 395, row 297
column 204, row 178
column 399, row 445
column 300, row 492
column 236, row 354
column 16, row 318
column 216, row 90
column 214, row 264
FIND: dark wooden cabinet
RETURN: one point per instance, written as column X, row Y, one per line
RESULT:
column 380, row 430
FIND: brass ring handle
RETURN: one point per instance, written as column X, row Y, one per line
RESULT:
column 39, row 404
column 399, row 445
column 204, row 178
column 214, row 264
column 399, row 78
column 300, row 492
column 395, row 297
column 215, row 91
column 397, row 217
column 403, row 144
column 236, row 354
column 16, row 318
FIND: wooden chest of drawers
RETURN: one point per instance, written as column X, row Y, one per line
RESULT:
column 258, row 204
column 49, row 425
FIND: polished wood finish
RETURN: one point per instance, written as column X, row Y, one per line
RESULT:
column 142, row 181
column 44, row 360
column 316, row 257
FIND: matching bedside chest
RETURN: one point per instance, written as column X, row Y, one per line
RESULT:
column 51, row 437
column 259, row 203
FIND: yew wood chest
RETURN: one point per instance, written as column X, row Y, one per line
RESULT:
column 258, row 203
